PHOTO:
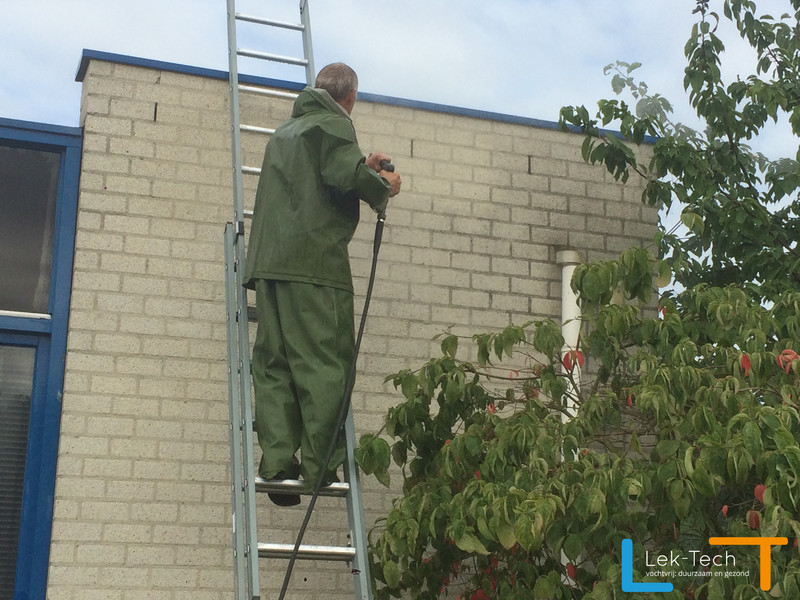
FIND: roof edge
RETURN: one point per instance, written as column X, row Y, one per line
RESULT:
column 89, row 55
column 70, row 135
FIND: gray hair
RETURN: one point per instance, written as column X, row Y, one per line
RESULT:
column 338, row 80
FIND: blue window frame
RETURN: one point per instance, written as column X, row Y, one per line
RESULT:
column 45, row 335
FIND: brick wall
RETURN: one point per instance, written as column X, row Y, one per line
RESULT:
column 142, row 507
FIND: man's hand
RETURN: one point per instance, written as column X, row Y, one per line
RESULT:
column 394, row 182
column 374, row 161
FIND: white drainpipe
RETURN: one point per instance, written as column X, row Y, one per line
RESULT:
column 570, row 329
column 570, row 316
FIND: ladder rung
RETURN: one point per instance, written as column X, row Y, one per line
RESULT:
column 254, row 129
column 295, row 486
column 302, row 62
column 251, row 89
column 271, row 22
column 251, row 170
column 345, row 553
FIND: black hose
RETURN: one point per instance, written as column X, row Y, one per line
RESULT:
column 345, row 405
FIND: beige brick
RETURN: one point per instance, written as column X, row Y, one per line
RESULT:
column 131, row 147
column 105, row 203
column 533, row 182
column 559, row 185
column 109, row 125
column 152, row 512
column 127, row 185
column 99, row 241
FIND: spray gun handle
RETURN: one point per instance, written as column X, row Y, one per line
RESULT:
column 385, row 166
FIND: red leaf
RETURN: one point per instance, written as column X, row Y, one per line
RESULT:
column 572, row 358
column 753, row 519
column 572, row 572
column 725, row 510
column 745, row 362
column 758, row 492
column 786, row 358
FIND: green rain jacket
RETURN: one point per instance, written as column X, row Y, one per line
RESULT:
column 307, row 203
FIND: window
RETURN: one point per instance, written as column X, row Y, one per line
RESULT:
column 39, row 171
column 16, row 386
column 28, row 186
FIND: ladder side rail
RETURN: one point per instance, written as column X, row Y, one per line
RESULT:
column 355, row 514
column 239, row 342
column 308, row 48
column 233, row 89
column 234, row 408
column 245, row 398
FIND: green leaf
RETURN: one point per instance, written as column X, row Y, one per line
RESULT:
column 450, row 346
column 573, row 545
column 702, row 481
column 667, row 448
column 391, row 573
column 399, row 453
column 693, row 221
column 468, row 542
column 505, row 534
column 751, row 435
column 543, row 589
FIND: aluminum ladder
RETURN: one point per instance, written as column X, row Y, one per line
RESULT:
column 245, row 484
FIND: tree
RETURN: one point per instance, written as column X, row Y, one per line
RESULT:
column 740, row 206
column 688, row 425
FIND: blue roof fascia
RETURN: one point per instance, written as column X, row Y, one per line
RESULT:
column 161, row 65
column 294, row 86
column 89, row 55
column 31, row 131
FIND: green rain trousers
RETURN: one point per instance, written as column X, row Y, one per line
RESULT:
column 301, row 359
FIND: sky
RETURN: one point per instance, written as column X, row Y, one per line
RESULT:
column 518, row 57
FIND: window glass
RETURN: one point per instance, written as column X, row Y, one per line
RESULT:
column 28, row 189
column 16, row 381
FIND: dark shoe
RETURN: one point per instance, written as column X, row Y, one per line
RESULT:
column 331, row 477
column 283, row 499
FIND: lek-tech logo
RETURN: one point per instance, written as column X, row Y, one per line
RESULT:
column 697, row 559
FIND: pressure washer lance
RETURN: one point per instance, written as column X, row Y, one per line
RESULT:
column 348, row 391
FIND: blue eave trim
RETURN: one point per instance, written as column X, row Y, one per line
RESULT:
column 89, row 55
column 29, row 131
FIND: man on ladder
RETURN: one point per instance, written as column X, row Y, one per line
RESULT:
column 306, row 211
